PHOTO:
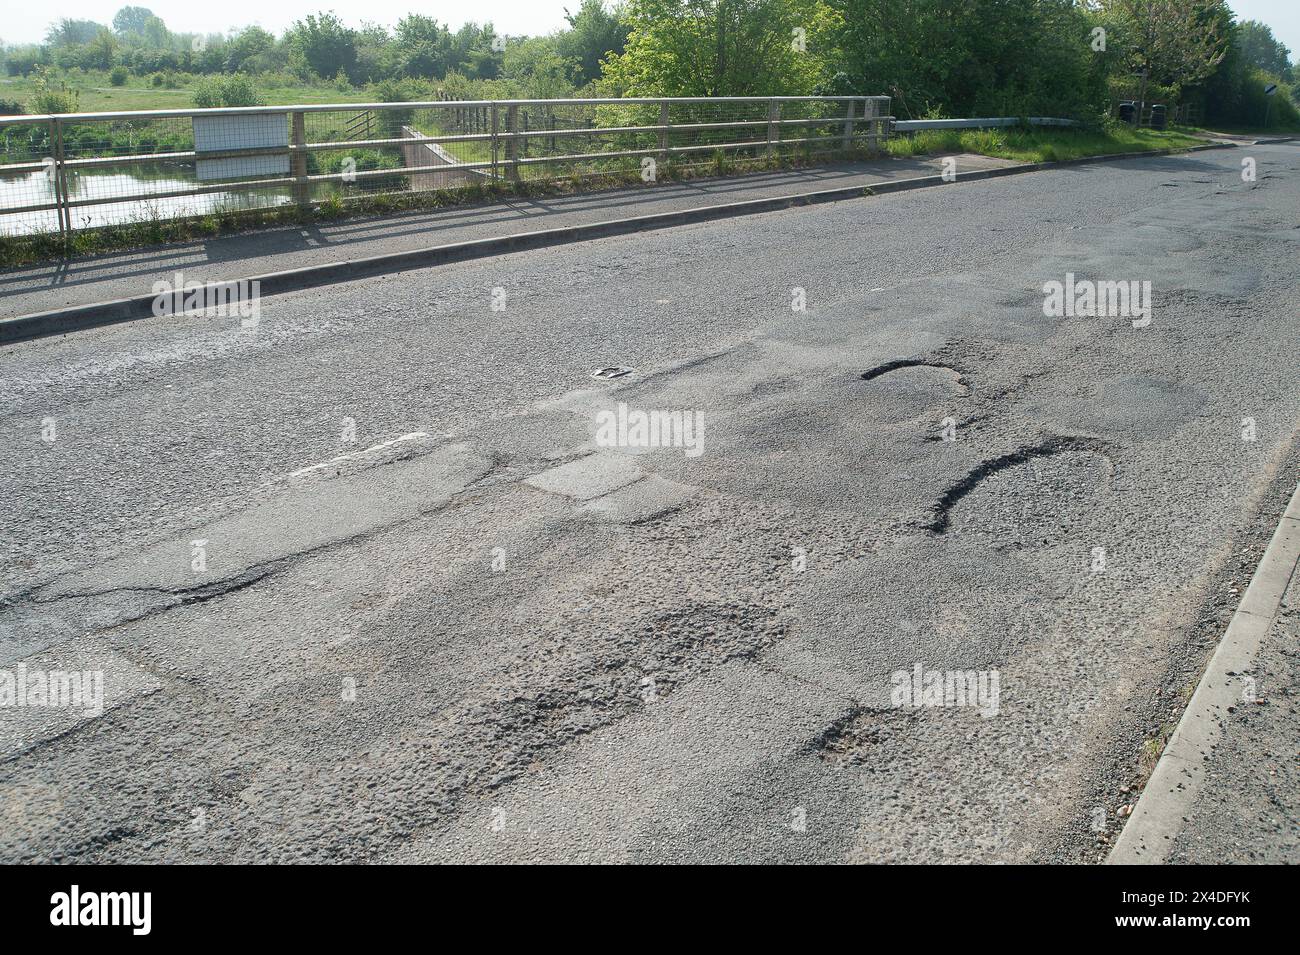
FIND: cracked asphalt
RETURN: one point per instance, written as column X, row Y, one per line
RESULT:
column 498, row 639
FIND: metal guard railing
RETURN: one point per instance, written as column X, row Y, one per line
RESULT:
column 90, row 169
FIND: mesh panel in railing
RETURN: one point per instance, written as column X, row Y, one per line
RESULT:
column 87, row 171
column 28, row 181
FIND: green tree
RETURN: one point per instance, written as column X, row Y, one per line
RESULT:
column 719, row 48
column 23, row 60
column 375, row 59
column 1261, row 49
column 1233, row 95
column 100, row 51
column 1173, row 42
column 68, row 32
column 594, row 33
column 156, row 35
column 242, row 48
column 482, row 51
column 422, row 47
column 131, row 21
column 970, row 57
column 537, row 70
column 323, row 45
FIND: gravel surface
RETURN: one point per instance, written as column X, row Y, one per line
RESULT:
column 498, row 639
column 1248, row 810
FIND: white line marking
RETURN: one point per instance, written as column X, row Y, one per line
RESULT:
column 351, row 456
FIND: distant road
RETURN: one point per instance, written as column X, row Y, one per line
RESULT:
column 431, row 620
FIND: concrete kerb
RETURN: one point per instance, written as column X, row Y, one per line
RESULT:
column 1168, row 798
column 81, row 317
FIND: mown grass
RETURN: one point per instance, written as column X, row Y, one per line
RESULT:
column 1037, row 145
column 96, row 94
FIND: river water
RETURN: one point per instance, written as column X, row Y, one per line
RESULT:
column 37, row 188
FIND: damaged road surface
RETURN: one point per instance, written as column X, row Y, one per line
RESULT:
column 861, row 557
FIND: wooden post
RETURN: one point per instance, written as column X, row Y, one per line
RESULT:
column 298, row 162
column 773, row 129
column 512, row 144
column 871, row 112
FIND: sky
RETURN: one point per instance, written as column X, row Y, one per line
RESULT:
column 26, row 22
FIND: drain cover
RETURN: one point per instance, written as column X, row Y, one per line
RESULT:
column 613, row 371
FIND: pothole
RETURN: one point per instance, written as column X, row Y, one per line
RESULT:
column 1022, row 300
column 850, row 739
column 874, row 373
column 1027, row 508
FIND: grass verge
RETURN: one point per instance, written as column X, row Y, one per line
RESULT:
column 1038, row 145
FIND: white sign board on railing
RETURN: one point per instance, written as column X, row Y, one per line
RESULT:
column 253, row 131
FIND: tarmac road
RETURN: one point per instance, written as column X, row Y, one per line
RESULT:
column 496, row 640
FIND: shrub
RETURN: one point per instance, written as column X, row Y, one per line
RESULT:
column 240, row 90
column 118, row 76
column 237, row 90
column 393, row 91
column 20, row 61
column 49, row 98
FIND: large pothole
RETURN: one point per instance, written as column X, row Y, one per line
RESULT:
column 1034, row 494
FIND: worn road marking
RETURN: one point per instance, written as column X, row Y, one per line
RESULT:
column 355, row 455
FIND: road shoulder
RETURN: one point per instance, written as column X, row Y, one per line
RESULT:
column 1238, row 732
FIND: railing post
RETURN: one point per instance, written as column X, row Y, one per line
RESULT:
column 509, row 124
column 61, row 211
column 298, row 161
column 512, row 143
column 495, row 174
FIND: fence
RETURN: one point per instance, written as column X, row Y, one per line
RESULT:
column 87, row 170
